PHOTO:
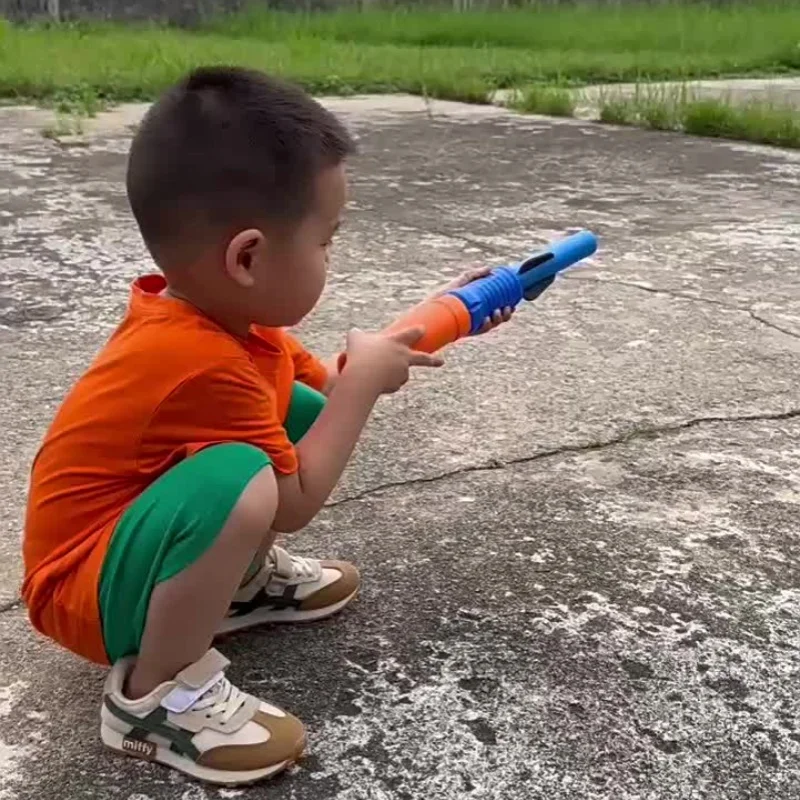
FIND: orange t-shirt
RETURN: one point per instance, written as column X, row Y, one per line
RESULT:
column 168, row 383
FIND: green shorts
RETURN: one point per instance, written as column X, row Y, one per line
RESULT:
column 175, row 520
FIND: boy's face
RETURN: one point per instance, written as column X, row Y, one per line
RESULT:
column 281, row 277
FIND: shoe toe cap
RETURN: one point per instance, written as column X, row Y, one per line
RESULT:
column 339, row 590
column 285, row 743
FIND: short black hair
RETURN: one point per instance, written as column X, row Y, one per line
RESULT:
column 228, row 146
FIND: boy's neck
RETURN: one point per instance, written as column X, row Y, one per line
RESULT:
column 235, row 326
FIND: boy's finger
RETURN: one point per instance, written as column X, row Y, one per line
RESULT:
column 477, row 272
column 425, row 360
column 408, row 336
column 468, row 276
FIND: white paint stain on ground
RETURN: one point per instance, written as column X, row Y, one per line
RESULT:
column 11, row 756
column 437, row 738
column 432, row 729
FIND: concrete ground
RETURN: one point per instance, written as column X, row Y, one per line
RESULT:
column 579, row 540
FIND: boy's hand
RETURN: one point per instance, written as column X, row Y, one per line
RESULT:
column 469, row 276
column 386, row 359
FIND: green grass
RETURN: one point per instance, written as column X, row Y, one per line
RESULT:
column 553, row 101
column 752, row 122
column 677, row 110
column 617, row 112
column 456, row 56
column 65, row 125
column 764, row 34
column 651, row 106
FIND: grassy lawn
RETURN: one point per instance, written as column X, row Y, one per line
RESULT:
column 757, row 34
column 539, row 50
column 460, row 56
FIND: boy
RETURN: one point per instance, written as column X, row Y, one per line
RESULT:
column 203, row 428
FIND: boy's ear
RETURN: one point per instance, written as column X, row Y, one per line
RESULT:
column 240, row 255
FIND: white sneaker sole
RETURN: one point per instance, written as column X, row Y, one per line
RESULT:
column 219, row 777
column 266, row 616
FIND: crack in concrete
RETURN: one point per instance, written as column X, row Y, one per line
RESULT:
column 691, row 297
column 773, row 325
column 589, row 447
column 643, row 287
column 11, row 605
column 754, row 315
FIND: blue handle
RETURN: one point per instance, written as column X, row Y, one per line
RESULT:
column 506, row 287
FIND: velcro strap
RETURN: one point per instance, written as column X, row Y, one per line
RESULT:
column 198, row 674
column 182, row 697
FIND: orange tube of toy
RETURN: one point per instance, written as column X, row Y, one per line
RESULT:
column 444, row 318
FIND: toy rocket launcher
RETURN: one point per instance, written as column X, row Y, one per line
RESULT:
column 462, row 312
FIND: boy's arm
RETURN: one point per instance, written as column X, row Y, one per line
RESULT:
column 324, row 451
column 377, row 364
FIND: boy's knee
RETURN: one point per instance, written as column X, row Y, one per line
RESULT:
column 255, row 509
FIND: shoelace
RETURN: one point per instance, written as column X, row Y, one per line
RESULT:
column 301, row 567
column 223, row 700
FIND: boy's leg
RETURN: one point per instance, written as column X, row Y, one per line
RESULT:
column 173, row 564
column 279, row 587
column 184, row 611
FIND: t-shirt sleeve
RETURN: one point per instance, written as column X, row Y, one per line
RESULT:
column 308, row 368
column 229, row 402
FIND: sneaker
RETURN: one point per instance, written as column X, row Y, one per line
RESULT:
column 292, row 589
column 201, row 724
